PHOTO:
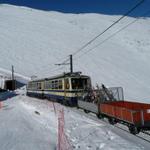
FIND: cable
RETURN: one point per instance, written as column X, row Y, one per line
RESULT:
column 112, row 35
column 57, row 69
column 53, row 68
column 128, row 12
column 64, row 62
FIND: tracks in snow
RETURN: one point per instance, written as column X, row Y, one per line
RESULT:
column 142, row 139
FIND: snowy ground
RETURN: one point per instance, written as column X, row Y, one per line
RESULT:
column 34, row 40
column 90, row 133
column 22, row 128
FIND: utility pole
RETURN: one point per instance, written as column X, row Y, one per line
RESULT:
column 13, row 79
column 70, row 63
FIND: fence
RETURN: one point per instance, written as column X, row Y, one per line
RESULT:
column 63, row 142
column 0, row 104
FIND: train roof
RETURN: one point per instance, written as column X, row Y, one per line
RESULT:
column 74, row 74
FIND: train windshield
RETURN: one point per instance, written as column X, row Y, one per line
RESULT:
column 79, row 83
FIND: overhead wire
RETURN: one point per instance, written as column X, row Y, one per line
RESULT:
column 112, row 35
column 53, row 66
column 57, row 69
column 94, row 61
column 100, row 34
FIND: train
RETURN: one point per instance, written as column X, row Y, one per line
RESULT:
column 75, row 89
column 64, row 88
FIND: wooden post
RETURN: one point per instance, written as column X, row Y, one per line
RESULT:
column 13, row 79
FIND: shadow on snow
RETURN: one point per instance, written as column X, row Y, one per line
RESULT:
column 6, row 95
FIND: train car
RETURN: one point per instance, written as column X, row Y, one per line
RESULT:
column 109, row 103
column 135, row 115
column 35, row 88
column 91, row 102
column 65, row 88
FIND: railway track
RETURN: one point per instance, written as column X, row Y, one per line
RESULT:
column 143, row 135
column 146, row 132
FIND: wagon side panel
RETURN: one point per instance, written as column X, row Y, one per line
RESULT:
column 127, row 115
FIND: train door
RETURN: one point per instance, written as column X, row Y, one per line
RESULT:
column 66, row 88
column 42, row 89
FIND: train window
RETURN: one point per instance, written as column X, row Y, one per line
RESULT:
column 56, row 84
column 39, row 86
column 29, row 86
column 46, row 85
column 33, row 85
column 49, row 85
column 60, row 84
column 53, row 84
column 67, row 85
column 79, row 83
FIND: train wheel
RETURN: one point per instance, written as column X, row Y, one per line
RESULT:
column 65, row 102
column 99, row 116
column 112, row 121
column 134, row 130
column 86, row 111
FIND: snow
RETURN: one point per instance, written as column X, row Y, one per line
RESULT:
column 23, row 128
column 2, row 82
column 93, row 134
column 34, row 40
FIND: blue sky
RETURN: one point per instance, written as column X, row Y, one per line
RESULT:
column 110, row 7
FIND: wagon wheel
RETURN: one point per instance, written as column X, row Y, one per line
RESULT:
column 68, row 103
column 134, row 130
column 112, row 121
column 64, row 102
column 86, row 111
column 99, row 116
column 77, row 106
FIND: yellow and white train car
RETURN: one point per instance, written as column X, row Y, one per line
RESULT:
column 65, row 88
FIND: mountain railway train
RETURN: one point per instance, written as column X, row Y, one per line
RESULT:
column 74, row 89
column 63, row 88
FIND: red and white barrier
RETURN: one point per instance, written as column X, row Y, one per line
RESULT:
column 1, row 105
column 63, row 142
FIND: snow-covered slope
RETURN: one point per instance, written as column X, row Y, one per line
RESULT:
column 34, row 40
column 33, row 125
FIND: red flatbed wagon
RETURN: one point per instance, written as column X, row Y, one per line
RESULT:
column 135, row 115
